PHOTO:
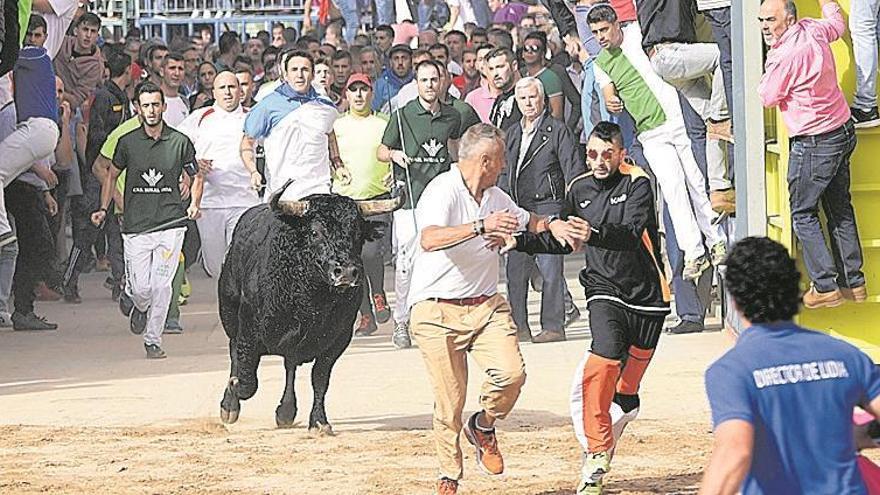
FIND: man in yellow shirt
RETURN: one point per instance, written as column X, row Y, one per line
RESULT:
column 358, row 133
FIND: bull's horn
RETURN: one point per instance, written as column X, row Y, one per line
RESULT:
column 295, row 208
column 371, row 207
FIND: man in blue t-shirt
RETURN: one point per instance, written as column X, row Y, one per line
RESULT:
column 782, row 399
column 37, row 131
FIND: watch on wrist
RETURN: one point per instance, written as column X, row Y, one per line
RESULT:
column 552, row 218
column 481, row 225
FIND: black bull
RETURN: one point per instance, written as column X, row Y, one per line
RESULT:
column 291, row 286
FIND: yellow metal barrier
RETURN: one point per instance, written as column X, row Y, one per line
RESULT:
column 857, row 323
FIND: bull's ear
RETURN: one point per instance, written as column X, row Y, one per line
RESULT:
column 373, row 231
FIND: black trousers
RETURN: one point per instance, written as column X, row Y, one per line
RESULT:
column 113, row 230
column 519, row 270
column 36, row 249
column 85, row 233
column 615, row 328
column 9, row 36
column 374, row 265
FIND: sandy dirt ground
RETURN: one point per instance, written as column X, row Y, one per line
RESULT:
column 82, row 411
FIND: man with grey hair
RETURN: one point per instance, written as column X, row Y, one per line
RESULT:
column 456, row 308
column 800, row 77
column 542, row 157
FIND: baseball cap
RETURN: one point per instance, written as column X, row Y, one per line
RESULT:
column 358, row 78
column 399, row 48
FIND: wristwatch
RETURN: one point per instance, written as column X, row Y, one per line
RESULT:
column 552, row 218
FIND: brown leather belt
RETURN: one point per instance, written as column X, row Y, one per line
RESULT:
column 465, row 301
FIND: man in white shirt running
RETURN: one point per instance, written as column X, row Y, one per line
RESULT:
column 456, row 308
column 216, row 133
column 295, row 123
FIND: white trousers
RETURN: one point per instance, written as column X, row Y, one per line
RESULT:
column 404, row 244
column 150, row 264
column 215, row 229
column 668, row 151
column 32, row 140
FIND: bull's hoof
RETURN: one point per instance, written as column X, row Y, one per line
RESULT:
column 228, row 417
column 284, row 424
column 321, row 430
column 285, row 415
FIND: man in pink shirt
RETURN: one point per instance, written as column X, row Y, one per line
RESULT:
column 483, row 97
column 801, row 79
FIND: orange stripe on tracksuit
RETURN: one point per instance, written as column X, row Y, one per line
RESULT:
column 598, row 383
column 634, row 370
column 664, row 284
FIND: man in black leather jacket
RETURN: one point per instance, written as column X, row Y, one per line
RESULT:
column 542, row 157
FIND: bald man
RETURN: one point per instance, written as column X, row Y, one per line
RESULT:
column 216, row 132
column 801, row 79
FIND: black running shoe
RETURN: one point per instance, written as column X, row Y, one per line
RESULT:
column 865, row 118
column 154, row 352
column 137, row 322
column 31, row 321
column 125, row 304
column 686, row 327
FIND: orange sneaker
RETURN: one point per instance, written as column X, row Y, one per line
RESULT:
column 44, row 293
column 854, row 294
column 814, row 299
column 488, row 456
column 366, row 326
column 447, row 486
column 383, row 312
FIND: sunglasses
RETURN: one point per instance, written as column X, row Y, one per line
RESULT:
column 594, row 155
column 532, row 48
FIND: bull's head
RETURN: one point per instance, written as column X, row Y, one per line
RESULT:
column 367, row 207
column 336, row 230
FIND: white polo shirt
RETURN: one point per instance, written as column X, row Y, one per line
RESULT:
column 216, row 135
column 176, row 111
column 469, row 269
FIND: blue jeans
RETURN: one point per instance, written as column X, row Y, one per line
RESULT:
column 8, row 255
column 719, row 20
column 691, row 298
column 593, row 109
column 349, row 11
column 385, row 12
column 864, row 25
column 818, row 170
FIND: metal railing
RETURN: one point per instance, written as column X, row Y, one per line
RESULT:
column 153, row 8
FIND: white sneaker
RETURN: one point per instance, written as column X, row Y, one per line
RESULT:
column 5, row 320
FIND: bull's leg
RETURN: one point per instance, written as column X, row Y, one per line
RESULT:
column 285, row 413
column 320, row 383
column 230, row 406
column 242, row 381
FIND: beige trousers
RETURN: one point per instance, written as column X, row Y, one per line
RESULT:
column 445, row 333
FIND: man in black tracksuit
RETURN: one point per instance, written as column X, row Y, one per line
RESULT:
column 627, row 294
column 109, row 109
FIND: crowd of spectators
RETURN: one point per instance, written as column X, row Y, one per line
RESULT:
column 543, row 73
